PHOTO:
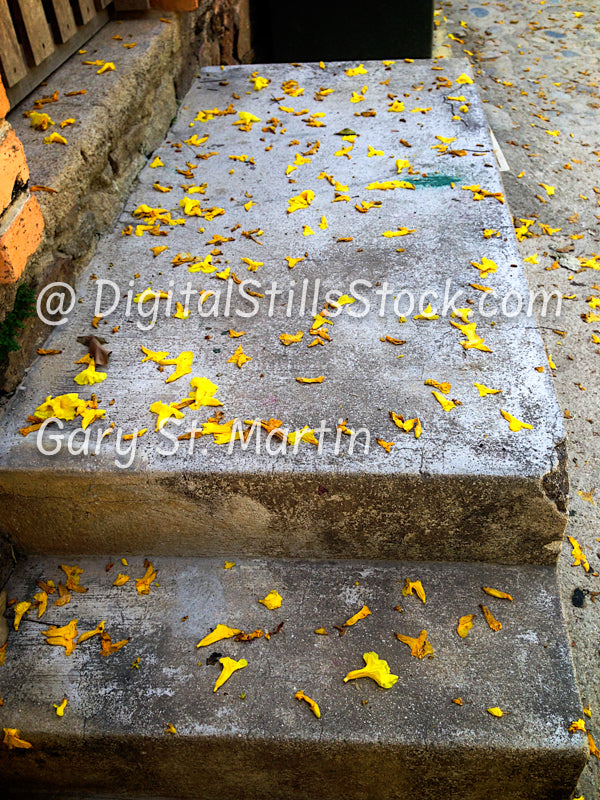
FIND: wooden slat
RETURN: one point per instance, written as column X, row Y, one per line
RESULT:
column 36, row 34
column 11, row 55
column 65, row 21
column 31, row 82
column 100, row 4
column 84, row 11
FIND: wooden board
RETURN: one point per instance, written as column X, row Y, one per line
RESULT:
column 11, row 55
column 36, row 32
column 65, row 21
column 84, row 11
column 31, row 82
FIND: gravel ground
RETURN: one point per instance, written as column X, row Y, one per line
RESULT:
column 537, row 66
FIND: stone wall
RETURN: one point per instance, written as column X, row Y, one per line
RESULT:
column 121, row 119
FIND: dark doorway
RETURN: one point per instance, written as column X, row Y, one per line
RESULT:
column 331, row 30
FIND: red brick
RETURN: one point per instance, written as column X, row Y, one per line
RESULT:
column 13, row 165
column 20, row 234
column 4, row 104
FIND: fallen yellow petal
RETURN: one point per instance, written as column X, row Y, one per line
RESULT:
column 465, row 624
column 219, row 633
column 579, row 556
column 364, row 612
column 55, row 138
column 164, row 412
column 490, row 619
column 419, row 647
column 513, row 423
column 143, row 584
column 549, row 190
column 445, row 403
column 239, row 357
column 303, row 200
column 272, row 600
column 288, row 338
column 293, row 261
column 314, row 707
column 443, row 387
column 399, row 232
column 88, row 634
column 577, row 725
column 20, row 609
column 416, row 586
column 496, row 593
column 377, row 669
column 353, row 71
column 63, row 637
column 60, row 709
column 229, row 667
column 12, row 739
column 427, row 313
column 252, row 265
column 485, row 390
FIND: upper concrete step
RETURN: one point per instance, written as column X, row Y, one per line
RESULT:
column 469, row 488
column 251, row 739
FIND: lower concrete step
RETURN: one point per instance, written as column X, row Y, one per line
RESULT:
column 251, row 738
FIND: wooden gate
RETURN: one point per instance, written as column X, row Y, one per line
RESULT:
column 36, row 36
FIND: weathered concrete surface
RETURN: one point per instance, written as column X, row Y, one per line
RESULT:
column 120, row 119
column 369, row 742
column 467, row 489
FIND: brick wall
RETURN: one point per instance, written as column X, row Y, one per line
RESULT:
column 21, row 221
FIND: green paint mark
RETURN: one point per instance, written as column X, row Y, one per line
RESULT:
column 434, row 181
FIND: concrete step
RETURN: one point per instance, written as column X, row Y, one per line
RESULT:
column 468, row 489
column 251, row 739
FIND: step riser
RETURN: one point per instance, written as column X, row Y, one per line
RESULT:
column 401, row 517
column 253, row 771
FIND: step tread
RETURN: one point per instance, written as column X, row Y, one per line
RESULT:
column 355, row 357
column 525, row 668
column 467, row 462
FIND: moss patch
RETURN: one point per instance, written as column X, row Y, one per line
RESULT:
column 14, row 322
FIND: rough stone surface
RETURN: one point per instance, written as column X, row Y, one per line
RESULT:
column 468, row 489
column 122, row 117
column 252, row 739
